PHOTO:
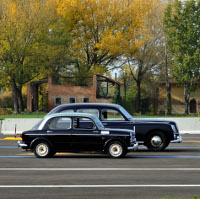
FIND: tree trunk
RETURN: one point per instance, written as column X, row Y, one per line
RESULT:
column 20, row 99
column 168, row 85
column 187, row 97
column 138, row 97
column 169, row 99
column 15, row 98
column 139, row 80
column 125, row 84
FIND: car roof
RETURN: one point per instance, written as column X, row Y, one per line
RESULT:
column 74, row 114
column 83, row 105
column 90, row 104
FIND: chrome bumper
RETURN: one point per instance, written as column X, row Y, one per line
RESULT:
column 178, row 139
column 134, row 147
column 22, row 145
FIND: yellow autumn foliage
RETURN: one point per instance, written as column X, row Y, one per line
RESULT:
column 103, row 30
column 22, row 22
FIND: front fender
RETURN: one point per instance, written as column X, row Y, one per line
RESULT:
column 142, row 130
column 168, row 134
column 114, row 139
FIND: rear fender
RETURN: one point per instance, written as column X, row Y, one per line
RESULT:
column 32, row 145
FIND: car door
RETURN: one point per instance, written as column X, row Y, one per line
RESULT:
column 59, row 132
column 86, row 136
column 112, row 118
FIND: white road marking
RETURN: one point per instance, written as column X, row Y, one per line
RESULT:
column 98, row 186
column 99, row 169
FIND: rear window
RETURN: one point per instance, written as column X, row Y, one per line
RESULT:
column 38, row 124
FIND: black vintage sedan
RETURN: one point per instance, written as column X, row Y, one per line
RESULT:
column 76, row 132
column 155, row 134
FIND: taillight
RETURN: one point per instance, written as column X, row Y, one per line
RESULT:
column 20, row 135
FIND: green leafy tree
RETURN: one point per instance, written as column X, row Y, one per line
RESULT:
column 182, row 25
column 148, row 56
column 24, row 26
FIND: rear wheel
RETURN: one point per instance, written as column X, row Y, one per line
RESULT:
column 157, row 141
column 42, row 150
column 116, row 149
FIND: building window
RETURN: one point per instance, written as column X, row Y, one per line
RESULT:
column 72, row 100
column 86, row 100
column 58, row 101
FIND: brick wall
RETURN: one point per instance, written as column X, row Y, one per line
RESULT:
column 63, row 92
column 67, row 91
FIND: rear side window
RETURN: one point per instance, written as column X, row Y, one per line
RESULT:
column 67, row 111
column 60, row 123
column 90, row 111
column 110, row 114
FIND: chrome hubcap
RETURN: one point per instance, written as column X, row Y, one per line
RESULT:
column 115, row 150
column 42, row 149
column 156, row 141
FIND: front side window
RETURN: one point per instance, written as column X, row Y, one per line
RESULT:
column 60, row 123
column 110, row 114
column 83, row 123
column 90, row 111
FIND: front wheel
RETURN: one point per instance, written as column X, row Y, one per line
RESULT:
column 116, row 149
column 42, row 150
column 157, row 141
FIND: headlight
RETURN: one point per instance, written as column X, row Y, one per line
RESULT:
column 133, row 131
column 132, row 136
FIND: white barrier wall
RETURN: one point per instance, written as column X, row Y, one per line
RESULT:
column 189, row 125
column 8, row 125
column 185, row 125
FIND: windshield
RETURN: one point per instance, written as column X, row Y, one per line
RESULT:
column 124, row 112
column 98, row 123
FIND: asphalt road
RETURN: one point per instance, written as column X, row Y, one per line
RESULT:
column 174, row 173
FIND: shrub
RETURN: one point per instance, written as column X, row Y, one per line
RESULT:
column 6, row 100
column 4, row 111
